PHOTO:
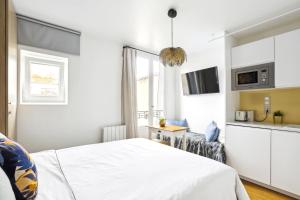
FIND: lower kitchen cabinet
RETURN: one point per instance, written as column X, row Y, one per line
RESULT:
column 248, row 151
column 285, row 161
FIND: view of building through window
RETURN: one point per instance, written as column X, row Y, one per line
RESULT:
column 44, row 80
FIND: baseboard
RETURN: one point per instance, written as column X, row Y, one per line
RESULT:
column 271, row 187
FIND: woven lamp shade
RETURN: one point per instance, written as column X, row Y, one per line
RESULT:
column 172, row 56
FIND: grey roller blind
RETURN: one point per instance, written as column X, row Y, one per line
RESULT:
column 36, row 33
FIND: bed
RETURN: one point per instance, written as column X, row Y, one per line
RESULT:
column 134, row 169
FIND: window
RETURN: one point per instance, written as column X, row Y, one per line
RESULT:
column 43, row 78
column 150, row 89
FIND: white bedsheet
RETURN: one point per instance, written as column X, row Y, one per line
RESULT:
column 52, row 183
column 136, row 169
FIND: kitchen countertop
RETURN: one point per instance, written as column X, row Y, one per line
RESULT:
column 280, row 127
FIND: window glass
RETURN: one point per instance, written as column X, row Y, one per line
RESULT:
column 150, row 90
column 44, row 80
column 142, row 85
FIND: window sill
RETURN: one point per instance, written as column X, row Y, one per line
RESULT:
column 43, row 104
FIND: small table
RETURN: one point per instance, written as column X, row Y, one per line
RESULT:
column 169, row 131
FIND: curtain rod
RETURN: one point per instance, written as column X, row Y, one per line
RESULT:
column 23, row 17
column 140, row 50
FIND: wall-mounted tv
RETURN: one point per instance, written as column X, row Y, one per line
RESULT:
column 203, row 81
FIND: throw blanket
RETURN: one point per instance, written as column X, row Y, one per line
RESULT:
column 197, row 144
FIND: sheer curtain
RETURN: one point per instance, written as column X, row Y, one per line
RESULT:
column 129, row 98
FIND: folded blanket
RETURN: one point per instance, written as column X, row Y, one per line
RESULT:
column 196, row 143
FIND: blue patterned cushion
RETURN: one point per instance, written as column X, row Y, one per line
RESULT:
column 20, row 169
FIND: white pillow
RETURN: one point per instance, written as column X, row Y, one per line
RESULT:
column 6, row 191
column 2, row 136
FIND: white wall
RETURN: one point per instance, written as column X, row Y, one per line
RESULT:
column 200, row 110
column 94, row 101
column 232, row 97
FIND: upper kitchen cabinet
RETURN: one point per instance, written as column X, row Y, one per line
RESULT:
column 287, row 59
column 254, row 53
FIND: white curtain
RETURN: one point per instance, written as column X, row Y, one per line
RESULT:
column 129, row 98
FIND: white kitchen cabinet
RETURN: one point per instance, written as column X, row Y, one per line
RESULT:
column 287, row 59
column 285, row 161
column 248, row 151
column 254, row 53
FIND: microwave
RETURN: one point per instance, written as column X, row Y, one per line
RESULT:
column 253, row 77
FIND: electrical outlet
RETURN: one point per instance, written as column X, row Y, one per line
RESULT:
column 267, row 104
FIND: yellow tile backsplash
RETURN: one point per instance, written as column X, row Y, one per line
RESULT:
column 285, row 100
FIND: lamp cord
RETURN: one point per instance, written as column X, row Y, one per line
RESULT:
column 172, row 34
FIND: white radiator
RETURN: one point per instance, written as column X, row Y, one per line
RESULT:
column 113, row 133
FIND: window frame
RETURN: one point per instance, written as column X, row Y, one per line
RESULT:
column 33, row 56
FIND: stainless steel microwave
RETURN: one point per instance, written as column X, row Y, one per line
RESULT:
column 253, row 77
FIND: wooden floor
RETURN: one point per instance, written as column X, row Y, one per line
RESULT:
column 260, row 193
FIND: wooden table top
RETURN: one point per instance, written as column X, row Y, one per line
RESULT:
column 170, row 128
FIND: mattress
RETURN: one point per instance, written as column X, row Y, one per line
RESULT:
column 134, row 169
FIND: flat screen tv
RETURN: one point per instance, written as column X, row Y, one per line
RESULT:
column 203, row 81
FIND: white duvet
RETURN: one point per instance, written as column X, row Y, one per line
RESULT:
column 135, row 169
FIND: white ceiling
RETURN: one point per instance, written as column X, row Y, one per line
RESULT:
column 144, row 23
